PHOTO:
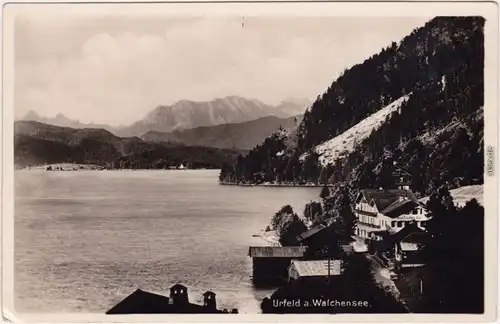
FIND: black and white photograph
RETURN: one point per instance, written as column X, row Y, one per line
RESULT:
column 251, row 164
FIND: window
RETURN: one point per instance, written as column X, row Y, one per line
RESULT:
column 393, row 224
column 400, row 224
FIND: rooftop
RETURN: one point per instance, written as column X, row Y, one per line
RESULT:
column 310, row 232
column 384, row 198
column 398, row 208
column 407, row 246
column 276, row 251
column 143, row 302
column 316, row 268
column 412, row 229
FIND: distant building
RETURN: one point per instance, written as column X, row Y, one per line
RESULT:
column 402, row 178
column 386, row 209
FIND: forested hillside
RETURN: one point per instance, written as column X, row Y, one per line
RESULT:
column 227, row 136
column 436, row 135
column 38, row 144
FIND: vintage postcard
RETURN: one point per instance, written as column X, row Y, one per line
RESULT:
column 256, row 162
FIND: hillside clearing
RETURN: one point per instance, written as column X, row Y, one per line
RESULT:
column 346, row 142
column 464, row 194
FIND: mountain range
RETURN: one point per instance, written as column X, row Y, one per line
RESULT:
column 186, row 114
column 38, row 144
column 63, row 121
column 244, row 135
column 207, row 146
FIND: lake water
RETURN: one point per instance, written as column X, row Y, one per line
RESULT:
column 85, row 240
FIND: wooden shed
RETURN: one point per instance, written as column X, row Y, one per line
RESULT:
column 271, row 263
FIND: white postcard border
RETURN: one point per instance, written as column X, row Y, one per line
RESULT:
column 489, row 10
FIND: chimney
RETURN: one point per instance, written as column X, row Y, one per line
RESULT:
column 209, row 300
column 179, row 295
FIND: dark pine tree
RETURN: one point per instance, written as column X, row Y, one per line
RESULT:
column 454, row 272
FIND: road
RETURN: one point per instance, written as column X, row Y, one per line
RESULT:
column 381, row 275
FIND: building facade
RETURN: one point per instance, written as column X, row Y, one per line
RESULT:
column 379, row 210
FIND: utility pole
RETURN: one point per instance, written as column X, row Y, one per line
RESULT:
column 310, row 211
column 328, row 263
column 328, row 266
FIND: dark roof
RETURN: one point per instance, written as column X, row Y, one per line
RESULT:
column 142, row 302
column 276, row 251
column 383, row 198
column 399, row 208
column 209, row 293
column 389, row 239
column 310, row 232
column 406, row 231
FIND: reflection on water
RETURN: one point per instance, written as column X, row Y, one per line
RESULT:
column 85, row 240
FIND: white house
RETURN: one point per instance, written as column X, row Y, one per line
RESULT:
column 387, row 210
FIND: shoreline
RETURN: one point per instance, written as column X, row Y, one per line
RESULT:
column 65, row 167
column 269, row 237
column 291, row 185
column 103, row 169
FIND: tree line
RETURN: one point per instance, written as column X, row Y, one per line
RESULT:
column 29, row 150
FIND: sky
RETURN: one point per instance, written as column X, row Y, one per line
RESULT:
column 116, row 70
